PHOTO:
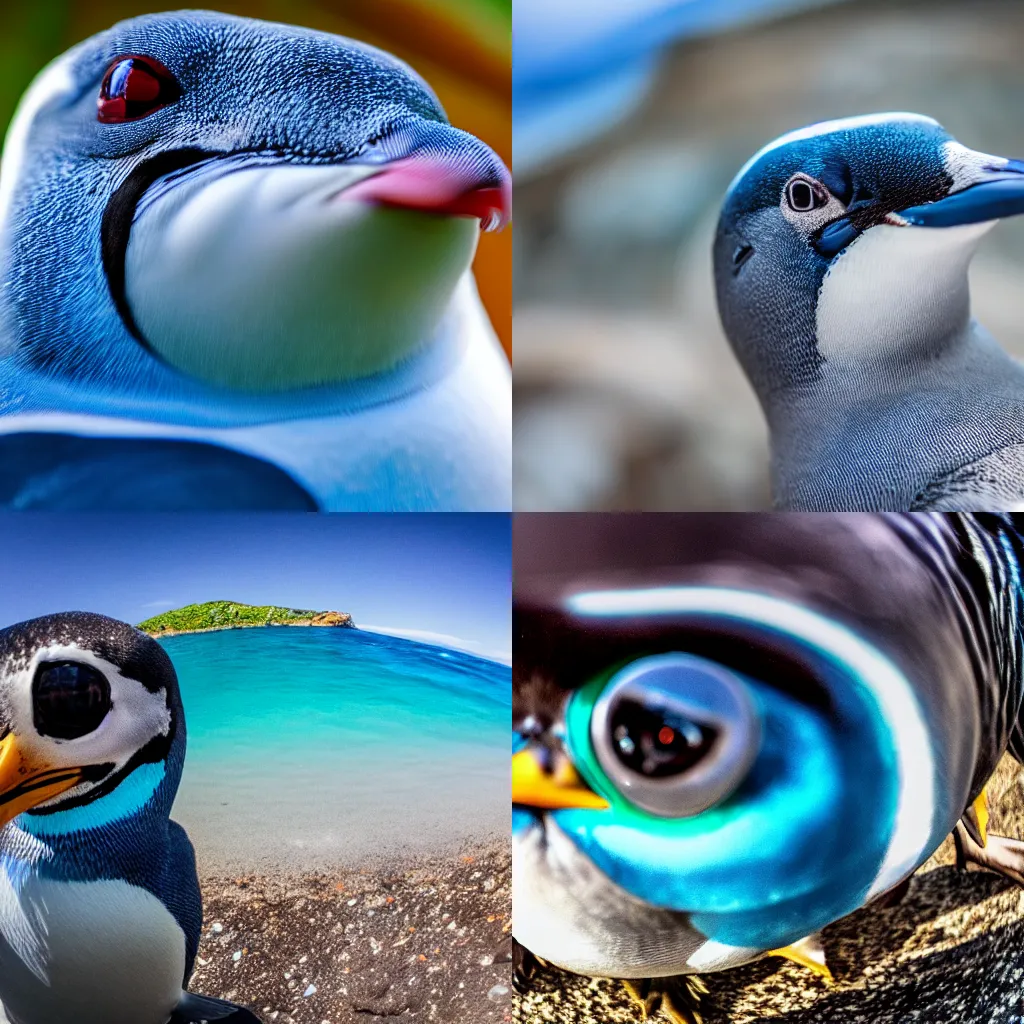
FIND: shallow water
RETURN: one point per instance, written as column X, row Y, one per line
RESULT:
column 313, row 746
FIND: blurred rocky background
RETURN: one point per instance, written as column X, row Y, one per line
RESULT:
column 626, row 394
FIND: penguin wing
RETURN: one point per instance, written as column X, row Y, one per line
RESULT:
column 180, row 893
column 65, row 473
column 195, row 1009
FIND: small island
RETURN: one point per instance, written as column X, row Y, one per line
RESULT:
column 214, row 615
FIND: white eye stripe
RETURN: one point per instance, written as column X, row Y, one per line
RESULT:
column 136, row 715
column 967, row 166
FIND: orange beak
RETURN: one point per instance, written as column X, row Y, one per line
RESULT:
column 562, row 789
column 27, row 781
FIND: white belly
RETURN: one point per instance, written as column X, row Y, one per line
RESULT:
column 567, row 912
column 87, row 953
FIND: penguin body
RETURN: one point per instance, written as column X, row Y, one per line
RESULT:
column 129, row 970
column 731, row 731
column 384, row 454
column 841, row 264
column 100, row 909
column 230, row 236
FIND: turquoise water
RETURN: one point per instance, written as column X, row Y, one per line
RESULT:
column 310, row 746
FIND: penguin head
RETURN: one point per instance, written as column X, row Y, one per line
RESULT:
column 257, row 206
column 849, row 241
column 696, row 718
column 91, row 723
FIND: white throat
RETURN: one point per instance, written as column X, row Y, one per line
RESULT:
column 896, row 294
column 265, row 278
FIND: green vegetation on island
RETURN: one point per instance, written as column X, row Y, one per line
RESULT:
column 196, row 618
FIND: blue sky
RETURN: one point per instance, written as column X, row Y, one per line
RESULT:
column 440, row 578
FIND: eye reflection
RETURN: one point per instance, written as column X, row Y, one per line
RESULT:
column 658, row 743
column 69, row 699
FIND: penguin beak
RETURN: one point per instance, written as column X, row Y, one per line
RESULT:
column 997, row 192
column 562, row 789
column 26, row 781
column 443, row 186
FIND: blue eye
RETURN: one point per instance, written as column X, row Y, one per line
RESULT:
column 674, row 733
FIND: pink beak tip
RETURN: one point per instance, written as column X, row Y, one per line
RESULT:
column 432, row 186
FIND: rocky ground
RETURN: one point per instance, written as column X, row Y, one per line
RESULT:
column 953, row 950
column 429, row 942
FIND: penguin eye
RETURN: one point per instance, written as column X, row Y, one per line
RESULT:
column 675, row 734
column 135, row 87
column 658, row 742
column 69, row 699
column 805, row 194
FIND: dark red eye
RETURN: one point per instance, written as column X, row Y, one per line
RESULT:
column 134, row 87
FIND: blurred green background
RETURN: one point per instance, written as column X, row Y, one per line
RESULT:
column 462, row 47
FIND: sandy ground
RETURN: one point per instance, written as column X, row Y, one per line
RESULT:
column 430, row 942
column 952, row 951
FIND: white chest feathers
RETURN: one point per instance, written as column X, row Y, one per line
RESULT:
column 566, row 911
column 87, row 952
column 896, row 291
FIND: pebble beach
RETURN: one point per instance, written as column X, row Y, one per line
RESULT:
column 423, row 941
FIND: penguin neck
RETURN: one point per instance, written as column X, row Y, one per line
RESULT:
column 892, row 314
column 88, row 840
column 134, row 798
column 145, row 388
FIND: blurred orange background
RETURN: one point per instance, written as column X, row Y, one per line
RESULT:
column 462, row 47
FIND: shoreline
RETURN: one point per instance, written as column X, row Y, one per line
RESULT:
column 248, row 625
column 427, row 940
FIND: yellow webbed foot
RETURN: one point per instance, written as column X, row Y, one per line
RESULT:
column 807, row 952
column 977, row 847
column 980, row 807
column 674, row 998
column 639, row 993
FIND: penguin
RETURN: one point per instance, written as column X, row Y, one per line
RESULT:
column 840, row 261
column 100, row 910
column 235, row 268
column 730, row 731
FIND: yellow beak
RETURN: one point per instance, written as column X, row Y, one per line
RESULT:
column 561, row 790
column 26, row 781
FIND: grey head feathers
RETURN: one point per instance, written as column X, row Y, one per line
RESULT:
column 841, row 264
